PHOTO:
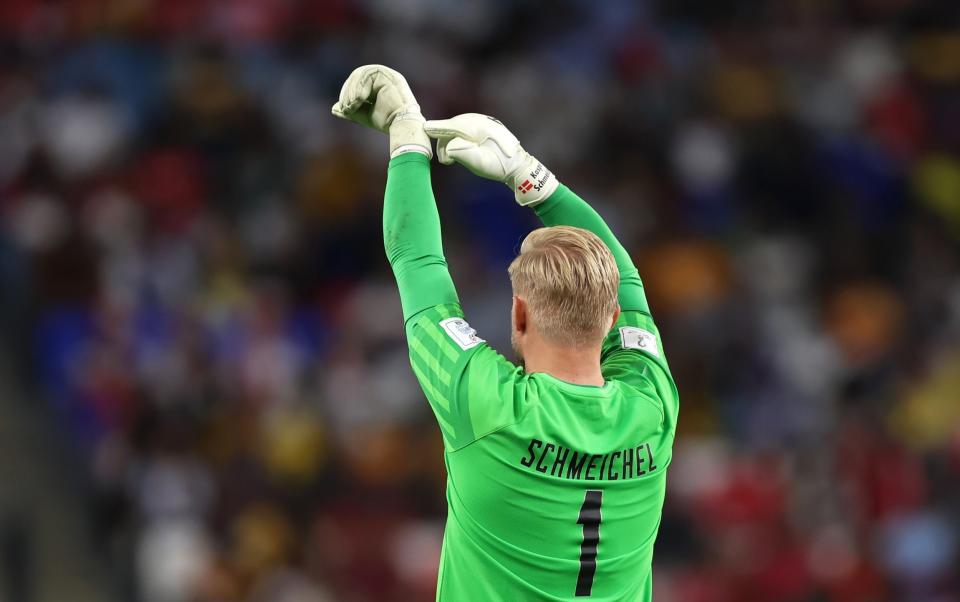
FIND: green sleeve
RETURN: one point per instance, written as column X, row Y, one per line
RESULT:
column 565, row 208
column 411, row 236
column 471, row 388
column 632, row 352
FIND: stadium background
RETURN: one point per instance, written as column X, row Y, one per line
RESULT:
column 205, row 391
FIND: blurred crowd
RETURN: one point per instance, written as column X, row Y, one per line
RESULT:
column 193, row 276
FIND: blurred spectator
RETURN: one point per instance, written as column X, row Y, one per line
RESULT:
column 195, row 267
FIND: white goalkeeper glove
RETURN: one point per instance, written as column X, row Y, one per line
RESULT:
column 487, row 148
column 380, row 98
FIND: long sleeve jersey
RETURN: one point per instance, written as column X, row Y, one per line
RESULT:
column 554, row 489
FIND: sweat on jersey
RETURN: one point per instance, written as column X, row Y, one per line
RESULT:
column 554, row 489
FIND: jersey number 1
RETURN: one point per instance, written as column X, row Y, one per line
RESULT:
column 590, row 519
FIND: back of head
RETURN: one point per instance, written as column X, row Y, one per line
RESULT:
column 568, row 278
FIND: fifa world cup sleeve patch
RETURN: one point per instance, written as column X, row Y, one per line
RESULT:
column 461, row 333
column 638, row 338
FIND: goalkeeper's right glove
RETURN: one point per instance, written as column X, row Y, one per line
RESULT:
column 487, row 148
column 380, row 98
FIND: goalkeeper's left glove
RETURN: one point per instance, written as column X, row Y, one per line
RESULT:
column 380, row 98
column 487, row 148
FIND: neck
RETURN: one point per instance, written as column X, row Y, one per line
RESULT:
column 576, row 365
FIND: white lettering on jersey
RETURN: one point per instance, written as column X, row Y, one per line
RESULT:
column 638, row 338
column 461, row 333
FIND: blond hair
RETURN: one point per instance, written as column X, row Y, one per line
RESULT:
column 569, row 279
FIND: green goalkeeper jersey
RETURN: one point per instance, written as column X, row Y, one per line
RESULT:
column 554, row 489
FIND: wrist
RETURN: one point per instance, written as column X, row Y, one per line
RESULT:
column 533, row 183
column 407, row 135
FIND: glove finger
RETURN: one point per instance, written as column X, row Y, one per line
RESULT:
column 439, row 128
column 462, row 126
column 474, row 157
column 356, row 90
column 458, row 148
column 442, row 154
column 345, row 95
column 366, row 81
column 455, row 150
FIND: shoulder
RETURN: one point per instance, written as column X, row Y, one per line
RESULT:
column 633, row 355
column 634, row 341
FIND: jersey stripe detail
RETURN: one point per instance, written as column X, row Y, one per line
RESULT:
column 447, row 428
column 438, row 403
column 430, row 360
column 470, row 417
column 433, row 331
column 465, row 387
column 429, row 389
column 441, row 408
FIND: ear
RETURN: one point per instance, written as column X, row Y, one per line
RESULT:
column 519, row 314
column 616, row 316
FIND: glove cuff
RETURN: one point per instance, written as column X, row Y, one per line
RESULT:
column 407, row 135
column 533, row 183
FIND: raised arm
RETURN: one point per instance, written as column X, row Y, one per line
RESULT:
column 411, row 236
column 379, row 97
column 470, row 386
column 487, row 148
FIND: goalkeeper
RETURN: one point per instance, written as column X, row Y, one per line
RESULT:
column 556, row 467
